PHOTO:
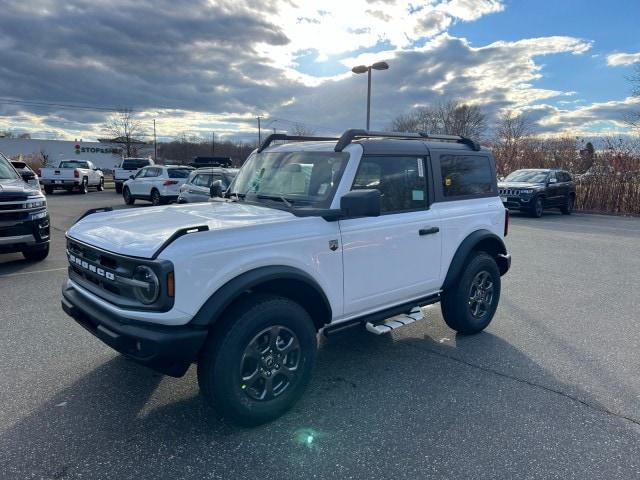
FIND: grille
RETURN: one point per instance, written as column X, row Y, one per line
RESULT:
column 14, row 216
column 5, row 197
column 509, row 192
column 15, row 231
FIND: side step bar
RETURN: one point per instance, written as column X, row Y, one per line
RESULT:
column 385, row 326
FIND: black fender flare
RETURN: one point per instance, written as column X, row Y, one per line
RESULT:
column 479, row 240
column 211, row 310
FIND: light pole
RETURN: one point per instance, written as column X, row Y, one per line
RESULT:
column 367, row 69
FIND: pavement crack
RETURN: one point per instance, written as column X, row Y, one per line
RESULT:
column 598, row 408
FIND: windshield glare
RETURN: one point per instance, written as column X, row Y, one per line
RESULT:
column 7, row 172
column 308, row 178
column 530, row 176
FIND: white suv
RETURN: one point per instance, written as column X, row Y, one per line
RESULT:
column 158, row 184
column 314, row 236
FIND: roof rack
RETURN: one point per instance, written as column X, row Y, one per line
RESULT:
column 354, row 134
column 284, row 136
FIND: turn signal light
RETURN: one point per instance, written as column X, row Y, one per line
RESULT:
column 171, row 286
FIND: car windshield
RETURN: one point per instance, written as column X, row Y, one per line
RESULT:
column 7, row 172
column 529, row 176
column 74, row 164
column 307, row 178
column 178, row 172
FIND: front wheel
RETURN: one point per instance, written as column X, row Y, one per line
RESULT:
column 100, row 185
column 118, row 188
column 259, row 362
column 155, row 198
column 469, row 305
column 538, row 208
column 36, row 254
column 126, row 195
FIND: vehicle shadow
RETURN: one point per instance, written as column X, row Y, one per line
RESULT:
column 383, row 404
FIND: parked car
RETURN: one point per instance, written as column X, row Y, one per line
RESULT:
column 24, row 219
column 70, row 175
column 129, row 166
column 198, row 185
column 158, row 184
column 384, row 224
column 534, row 189
column 26, row 173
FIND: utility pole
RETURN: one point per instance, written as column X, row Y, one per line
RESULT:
column 213, row 144
column 259, row 117
column 155, row 145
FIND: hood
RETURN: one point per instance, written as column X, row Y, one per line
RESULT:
column 16, row 188
column 519, row 185
column 140, row 232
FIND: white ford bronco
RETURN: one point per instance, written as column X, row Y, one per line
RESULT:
column 313, row 235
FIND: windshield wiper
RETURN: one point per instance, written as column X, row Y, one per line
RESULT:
column 288, row 203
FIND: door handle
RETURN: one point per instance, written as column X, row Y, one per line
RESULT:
column 428, row 230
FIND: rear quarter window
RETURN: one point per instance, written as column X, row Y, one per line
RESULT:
column 466, row 176
column 178, row 173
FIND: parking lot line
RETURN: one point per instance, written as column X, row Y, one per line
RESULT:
column 33, row 271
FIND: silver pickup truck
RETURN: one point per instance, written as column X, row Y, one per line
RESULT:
column 72, row 175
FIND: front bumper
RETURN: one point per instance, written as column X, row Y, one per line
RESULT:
column 515, row 203
column 166, row 349
column 19, row 235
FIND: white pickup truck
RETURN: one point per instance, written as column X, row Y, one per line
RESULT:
column 129, row 167
column 70, row 175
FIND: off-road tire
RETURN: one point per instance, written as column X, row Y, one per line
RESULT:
column 127, row 197
column 222, row 362
column 568, row 206
column 36, row 254
column 537, row 209
column 456, row 304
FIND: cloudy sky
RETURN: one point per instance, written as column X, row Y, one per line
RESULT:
column 201, row 66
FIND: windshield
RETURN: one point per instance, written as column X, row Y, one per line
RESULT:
column 308, row 178
column 134, row 163
column 530, row 176
column 73, row 164
column 7, row 172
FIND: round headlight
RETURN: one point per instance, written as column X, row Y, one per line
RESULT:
column 148, row 294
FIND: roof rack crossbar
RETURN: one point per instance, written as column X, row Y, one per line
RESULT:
column 353, row 134
column 284, row 136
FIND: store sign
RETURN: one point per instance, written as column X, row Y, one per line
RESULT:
column 108, row 150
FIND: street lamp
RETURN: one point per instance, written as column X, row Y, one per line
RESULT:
column 367, row 69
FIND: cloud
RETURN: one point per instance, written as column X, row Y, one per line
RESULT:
column 618, row 59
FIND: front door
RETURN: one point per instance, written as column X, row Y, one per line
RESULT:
column 395, row 257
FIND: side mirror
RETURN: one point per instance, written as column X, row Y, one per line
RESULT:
column 215, row 190
column 26, row 176
column 553, row 180
column 361, row 203
column 501, row 179
column 131, row 177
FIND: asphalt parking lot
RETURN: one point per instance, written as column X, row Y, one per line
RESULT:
column 550, row 390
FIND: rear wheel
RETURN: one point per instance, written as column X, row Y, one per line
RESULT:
column 101, row 185
column 84, row 186
column 48, row 189
column 469, row 305
column 126, row 195
column 537, row 209
column 36, row 254
column 259, row 362
column 568, row 206
column 155, row 197
column 118, row 188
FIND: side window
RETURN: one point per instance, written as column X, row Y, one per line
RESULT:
column 141, row 173
column 217, row 176
column 202, row 180
column 552, row 175
column 152, row 172
column 465, row 175
column 401, row 181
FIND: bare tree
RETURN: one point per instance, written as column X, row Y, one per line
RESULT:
column 302, row 130
column 124, row 129
column 451, row 117
column 632, row 119
column 512, row 133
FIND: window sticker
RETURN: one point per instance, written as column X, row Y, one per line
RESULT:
column 420, row 168
column 417, row 195
column 323, row 189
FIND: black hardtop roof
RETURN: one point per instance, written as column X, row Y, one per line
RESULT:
column 374, row 142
